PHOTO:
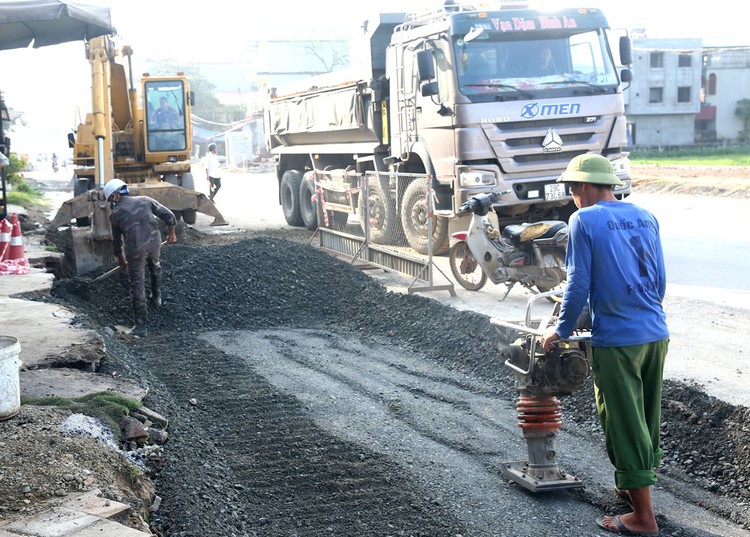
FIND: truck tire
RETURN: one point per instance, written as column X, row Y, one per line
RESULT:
column 381, row 212
column 189, row 216
column 414, row 219
column 307, row 206
column 289, row 189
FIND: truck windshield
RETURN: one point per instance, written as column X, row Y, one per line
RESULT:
column 492, row 67
column 165, row 109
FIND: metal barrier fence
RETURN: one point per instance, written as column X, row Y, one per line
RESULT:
column 378, row 218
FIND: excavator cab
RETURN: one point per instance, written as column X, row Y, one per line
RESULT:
column 167, row 118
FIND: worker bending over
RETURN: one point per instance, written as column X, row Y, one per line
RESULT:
column 136, row 242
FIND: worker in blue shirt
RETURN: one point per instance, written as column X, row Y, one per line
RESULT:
column 615, row 264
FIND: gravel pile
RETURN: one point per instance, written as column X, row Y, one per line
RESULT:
column 264, row 283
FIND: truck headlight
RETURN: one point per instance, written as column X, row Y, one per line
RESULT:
column 475, row 178
column 621, row 167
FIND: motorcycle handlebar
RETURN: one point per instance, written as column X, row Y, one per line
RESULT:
column 493, row 195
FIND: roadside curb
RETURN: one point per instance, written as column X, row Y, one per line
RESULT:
column 79, row 515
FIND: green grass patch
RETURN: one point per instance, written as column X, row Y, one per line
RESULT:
column 714, row 156
column 27, row 199
column 108, row 407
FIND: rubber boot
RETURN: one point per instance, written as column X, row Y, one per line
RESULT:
column 140, row 314
column 155, row 290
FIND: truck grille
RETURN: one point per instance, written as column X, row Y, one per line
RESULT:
column 547, row 123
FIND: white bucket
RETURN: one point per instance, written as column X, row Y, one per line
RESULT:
column 10, row 386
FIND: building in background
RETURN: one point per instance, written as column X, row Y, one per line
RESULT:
column 664, row 97
column 726, row 89
column 686, row 94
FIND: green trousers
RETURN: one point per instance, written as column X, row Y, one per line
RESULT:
column 627, row 387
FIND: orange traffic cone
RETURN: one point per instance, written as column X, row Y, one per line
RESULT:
column 13, row 261
column 15, row 248
column 4, row 238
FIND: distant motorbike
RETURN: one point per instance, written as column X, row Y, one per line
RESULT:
column 532, row 254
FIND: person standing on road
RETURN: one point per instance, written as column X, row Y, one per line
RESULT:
column 134, row 222
column 213, row 171
column 615, row 262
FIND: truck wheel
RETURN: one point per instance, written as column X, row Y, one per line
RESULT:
column 189, row 216
column 414, row 220
column 289, row 187
column 381, row 213
column 465, row 268
column 308, row 208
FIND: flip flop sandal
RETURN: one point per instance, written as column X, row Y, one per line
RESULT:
column 624, row 495
column 621, row 529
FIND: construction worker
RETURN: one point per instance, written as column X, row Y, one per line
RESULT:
column 616, row 264
column 136, row 242
column 213, row 171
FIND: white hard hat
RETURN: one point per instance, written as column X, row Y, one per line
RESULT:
column 113, row 186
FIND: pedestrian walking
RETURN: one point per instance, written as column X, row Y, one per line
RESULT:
column 213, row 171
column 136, row 243
column 616, row 264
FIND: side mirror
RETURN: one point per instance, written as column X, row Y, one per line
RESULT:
column 191, row 98
column 71, row 140
column 626, row 51
column 626, row 75
column 429, row 89
column 425, row 65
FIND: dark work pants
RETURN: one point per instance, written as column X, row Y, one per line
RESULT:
column 137, row 273
column 215, row 185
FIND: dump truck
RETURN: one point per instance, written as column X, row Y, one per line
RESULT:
column 475, row 100
column 142, row 137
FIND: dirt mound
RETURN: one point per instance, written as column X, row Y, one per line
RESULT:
column 724, row 181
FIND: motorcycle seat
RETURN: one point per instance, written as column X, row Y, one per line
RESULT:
column 545, row 229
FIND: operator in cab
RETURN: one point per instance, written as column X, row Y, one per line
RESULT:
column 136, row 242
column 165, row 117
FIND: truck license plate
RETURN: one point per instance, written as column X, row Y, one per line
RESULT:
column 554, row 191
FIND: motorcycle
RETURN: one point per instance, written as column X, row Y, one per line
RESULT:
column 532, row 254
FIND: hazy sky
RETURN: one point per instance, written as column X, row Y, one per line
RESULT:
column 47, row 84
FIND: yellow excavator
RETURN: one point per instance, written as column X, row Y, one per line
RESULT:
column 143, row 138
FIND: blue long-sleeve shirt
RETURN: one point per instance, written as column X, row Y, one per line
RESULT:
column 615, row 261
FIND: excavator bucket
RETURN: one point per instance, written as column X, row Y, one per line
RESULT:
column 87, row 243
column 178, row 199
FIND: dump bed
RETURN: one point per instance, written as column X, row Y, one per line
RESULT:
column 338, row 111
column 338, row 115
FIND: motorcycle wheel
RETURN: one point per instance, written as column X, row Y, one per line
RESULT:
column 465, row 268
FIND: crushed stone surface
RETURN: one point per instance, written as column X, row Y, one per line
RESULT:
column 251, row 467
column 247, row 458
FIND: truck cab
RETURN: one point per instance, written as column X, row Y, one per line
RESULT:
column 503, row 100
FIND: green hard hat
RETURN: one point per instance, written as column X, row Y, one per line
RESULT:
column 590, row 169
